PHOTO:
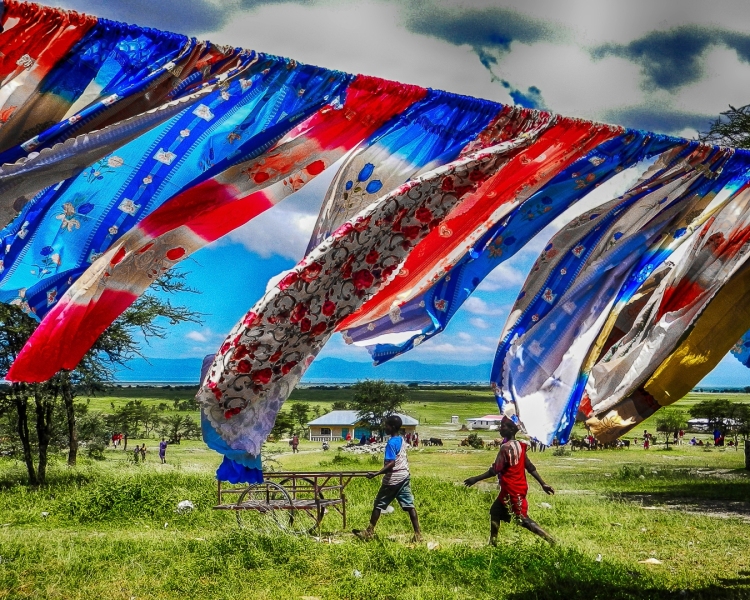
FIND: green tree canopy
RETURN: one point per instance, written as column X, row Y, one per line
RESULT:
column 669, row 422
column 374, row 400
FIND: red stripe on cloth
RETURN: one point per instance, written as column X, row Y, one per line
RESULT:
column 560, row 145
column 65, row 335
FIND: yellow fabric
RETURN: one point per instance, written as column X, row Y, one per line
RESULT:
column 725, row 319
column 722, row 323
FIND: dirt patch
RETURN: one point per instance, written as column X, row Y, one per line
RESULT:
column 719, row 509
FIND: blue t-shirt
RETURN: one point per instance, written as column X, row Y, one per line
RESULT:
column 393, row 447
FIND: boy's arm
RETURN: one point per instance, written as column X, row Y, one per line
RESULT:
column 491, row 472
column 388, row 466
column 533, row 472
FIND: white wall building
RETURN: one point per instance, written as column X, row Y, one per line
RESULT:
column 486, row 422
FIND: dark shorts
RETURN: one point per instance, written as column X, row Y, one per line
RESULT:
column 400, row 492
column 506, row 505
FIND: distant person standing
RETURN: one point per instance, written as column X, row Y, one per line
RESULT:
column 143, row 453
column 136, row 453
column 295, row 444
column 163, row 451
column 717, row 436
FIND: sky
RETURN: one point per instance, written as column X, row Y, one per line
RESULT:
column 643, row 64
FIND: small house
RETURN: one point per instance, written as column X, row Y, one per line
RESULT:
column 485, row 422
column 338, row 424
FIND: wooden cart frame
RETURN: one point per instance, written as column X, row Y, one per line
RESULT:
column 293, row 502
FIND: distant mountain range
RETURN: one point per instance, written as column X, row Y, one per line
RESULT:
column 728, row 374
column 325, row 370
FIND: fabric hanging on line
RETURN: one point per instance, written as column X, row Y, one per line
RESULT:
column 267, row 352
column 32, row 41
column 111, row 55
column 154, row 89
column 22, row 181
column 706, row 343
column 187, row 222
column 541, row 365
column 430, row 133
column 428, row 314
column 718, row 251
column 68, row 226
column 19, row 181
column 556, row 143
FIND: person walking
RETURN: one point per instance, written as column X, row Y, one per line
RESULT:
column 143, row 453
column 396, row 484
column 295, row 444
column 510, row 468
column 136, row 453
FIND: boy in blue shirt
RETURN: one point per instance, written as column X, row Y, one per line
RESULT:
column 396, row 483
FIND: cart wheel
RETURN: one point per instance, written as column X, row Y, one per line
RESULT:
column 261, row 508
column 306, row 518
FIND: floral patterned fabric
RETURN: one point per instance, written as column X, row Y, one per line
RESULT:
column 556, row 143
column 166, row 236
column 67, row 227
column 268, row 351
column 428, row 314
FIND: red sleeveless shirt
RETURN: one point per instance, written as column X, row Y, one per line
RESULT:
column 512, row 478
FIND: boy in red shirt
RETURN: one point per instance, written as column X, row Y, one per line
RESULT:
column 510, row 468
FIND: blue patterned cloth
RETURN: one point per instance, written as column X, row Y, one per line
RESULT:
column 68, row 226
column 429, row 313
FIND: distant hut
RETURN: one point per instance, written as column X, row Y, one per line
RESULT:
column 337, row 424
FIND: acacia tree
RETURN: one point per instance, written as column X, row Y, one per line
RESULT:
column 731, row 128
column 300, row 413
column 114, row 348
column 670, row 422
column 374, row 400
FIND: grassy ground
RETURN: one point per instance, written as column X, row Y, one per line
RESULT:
column 112, row 530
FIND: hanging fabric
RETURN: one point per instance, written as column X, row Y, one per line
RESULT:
column 33, row 39
column 428, row 314
column 557, row 142
column 187, row 222
column 110, row 56
column 718, row 251
column 430, row 133
column 269, row 350
column 541, row 366
column 68, row 227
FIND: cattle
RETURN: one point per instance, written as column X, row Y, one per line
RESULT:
column 432, row 442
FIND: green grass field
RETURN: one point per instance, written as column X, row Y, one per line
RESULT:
column 112, row 531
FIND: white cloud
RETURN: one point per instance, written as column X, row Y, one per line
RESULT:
column 477, row 306
column 502, row 277
column 285, row 229
column 331, row 35
column 724, row 83
column 196, row 336
column 479, row 323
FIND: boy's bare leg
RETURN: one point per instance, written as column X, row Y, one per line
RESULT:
column 367, row 534
column 494, row 529
column 534, row 527
column 415, row 523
